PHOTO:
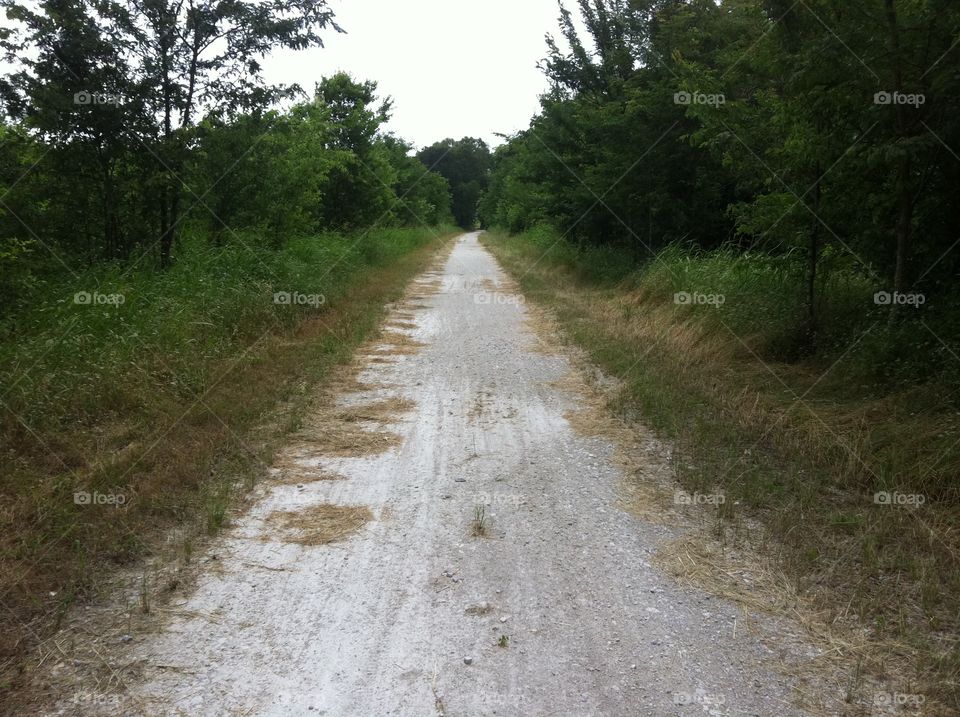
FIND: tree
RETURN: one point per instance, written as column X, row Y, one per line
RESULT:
column 125, row 82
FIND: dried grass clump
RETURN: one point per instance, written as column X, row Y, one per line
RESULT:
column 332, row 437
column 319, row 524
column 397, row 343
column 381, row 411
column 290, row 473
column 401, row 324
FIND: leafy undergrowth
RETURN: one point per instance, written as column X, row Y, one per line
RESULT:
column 126, row 417
column 847, row 455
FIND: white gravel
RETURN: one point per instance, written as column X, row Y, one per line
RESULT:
column 405, row 616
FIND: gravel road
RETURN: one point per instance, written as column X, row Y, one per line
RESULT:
column 555, row 609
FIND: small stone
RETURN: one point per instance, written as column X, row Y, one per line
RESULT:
column 126, row 639
column 504, row 618
column 468, row 660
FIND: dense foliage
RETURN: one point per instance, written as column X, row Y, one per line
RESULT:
column 129, row 124
column 825, row 130
column 466, row 165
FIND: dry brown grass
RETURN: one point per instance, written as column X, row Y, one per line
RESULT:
column 647, row 488
column 319, row 524
column 290, row 472
column 385, row 410
column 542, row 330
column 395, row 343
column 757, row 583
column 330, row 436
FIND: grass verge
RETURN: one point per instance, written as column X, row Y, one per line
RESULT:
column 850, row 475
column 125, row 418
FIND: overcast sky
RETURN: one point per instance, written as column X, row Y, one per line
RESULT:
column 454, row 68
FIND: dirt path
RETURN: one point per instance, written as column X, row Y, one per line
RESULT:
column 555, row 609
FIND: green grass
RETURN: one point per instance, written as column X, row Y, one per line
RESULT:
column 800, row 441
column 172, row 401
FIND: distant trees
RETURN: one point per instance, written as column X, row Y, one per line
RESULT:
column 466, row 164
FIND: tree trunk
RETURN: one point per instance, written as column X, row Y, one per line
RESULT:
column 904, row 225
column 813, row 260
column 904, row 164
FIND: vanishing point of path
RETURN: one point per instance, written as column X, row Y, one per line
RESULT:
column 556, row 609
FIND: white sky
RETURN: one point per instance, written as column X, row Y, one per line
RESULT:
column 454, row 68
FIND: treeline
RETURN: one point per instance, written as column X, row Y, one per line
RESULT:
column 130, row 125
column 825, row 131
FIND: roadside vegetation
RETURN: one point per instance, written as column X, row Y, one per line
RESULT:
column 742, row 210
column 852, row 480
column 185, row 251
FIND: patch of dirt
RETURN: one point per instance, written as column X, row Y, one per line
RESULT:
column 483, row 608
column 319, row 524
column 479, row 406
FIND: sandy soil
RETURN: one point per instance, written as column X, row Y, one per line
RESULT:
column 379, row 592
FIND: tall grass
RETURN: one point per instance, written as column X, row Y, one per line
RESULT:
column 802, row 441
column 64, row 361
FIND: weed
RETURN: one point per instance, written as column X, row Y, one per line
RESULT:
column 479, row 526
column 144, row 595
